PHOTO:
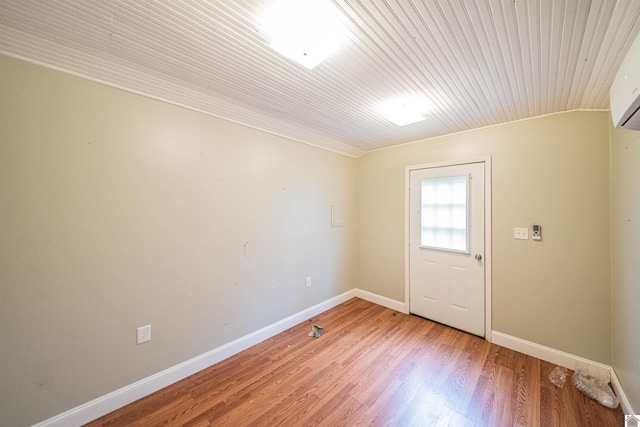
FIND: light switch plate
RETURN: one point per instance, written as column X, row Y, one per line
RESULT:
column 337, row 216
column 521, row 233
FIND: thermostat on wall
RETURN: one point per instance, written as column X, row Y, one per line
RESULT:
column 537, row 232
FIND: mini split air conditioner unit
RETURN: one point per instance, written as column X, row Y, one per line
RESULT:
column 625, row 91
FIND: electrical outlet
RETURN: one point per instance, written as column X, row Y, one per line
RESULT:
column 521, row 233
column 144, row 334
column 308, row 281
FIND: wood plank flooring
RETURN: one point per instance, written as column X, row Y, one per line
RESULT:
column 372, row 366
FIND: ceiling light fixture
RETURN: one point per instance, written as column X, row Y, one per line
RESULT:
column 405, row 110
column 307, row 31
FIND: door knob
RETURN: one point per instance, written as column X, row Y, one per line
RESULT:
column 478, row 257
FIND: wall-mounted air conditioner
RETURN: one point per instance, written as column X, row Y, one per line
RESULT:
column 625, row 91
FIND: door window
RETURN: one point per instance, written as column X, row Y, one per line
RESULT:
column 445, row 213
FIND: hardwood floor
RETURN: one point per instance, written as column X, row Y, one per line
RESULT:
column 372, row 366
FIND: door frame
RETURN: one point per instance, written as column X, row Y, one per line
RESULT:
column 487, row 231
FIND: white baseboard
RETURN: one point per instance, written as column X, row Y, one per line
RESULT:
column 110, row 402
column 547, row 354
column 624, row 400
column 561, row 358
column 383, row 301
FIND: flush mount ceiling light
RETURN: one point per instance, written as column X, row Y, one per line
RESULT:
column 307, row 31
column 405, row 110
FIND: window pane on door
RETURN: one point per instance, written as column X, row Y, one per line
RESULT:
column 445, row 213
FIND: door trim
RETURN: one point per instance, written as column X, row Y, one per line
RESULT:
column 487, row 231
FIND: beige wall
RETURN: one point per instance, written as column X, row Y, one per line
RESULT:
column 117, row 211
column 553, row 171
column 625, row 241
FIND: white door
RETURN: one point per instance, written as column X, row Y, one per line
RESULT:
column 446, row 245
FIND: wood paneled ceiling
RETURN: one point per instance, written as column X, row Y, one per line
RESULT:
column 481, row 62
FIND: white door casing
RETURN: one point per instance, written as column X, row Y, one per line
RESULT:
column 450, row 282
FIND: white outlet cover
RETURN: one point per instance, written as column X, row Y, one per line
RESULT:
column 144, row 334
